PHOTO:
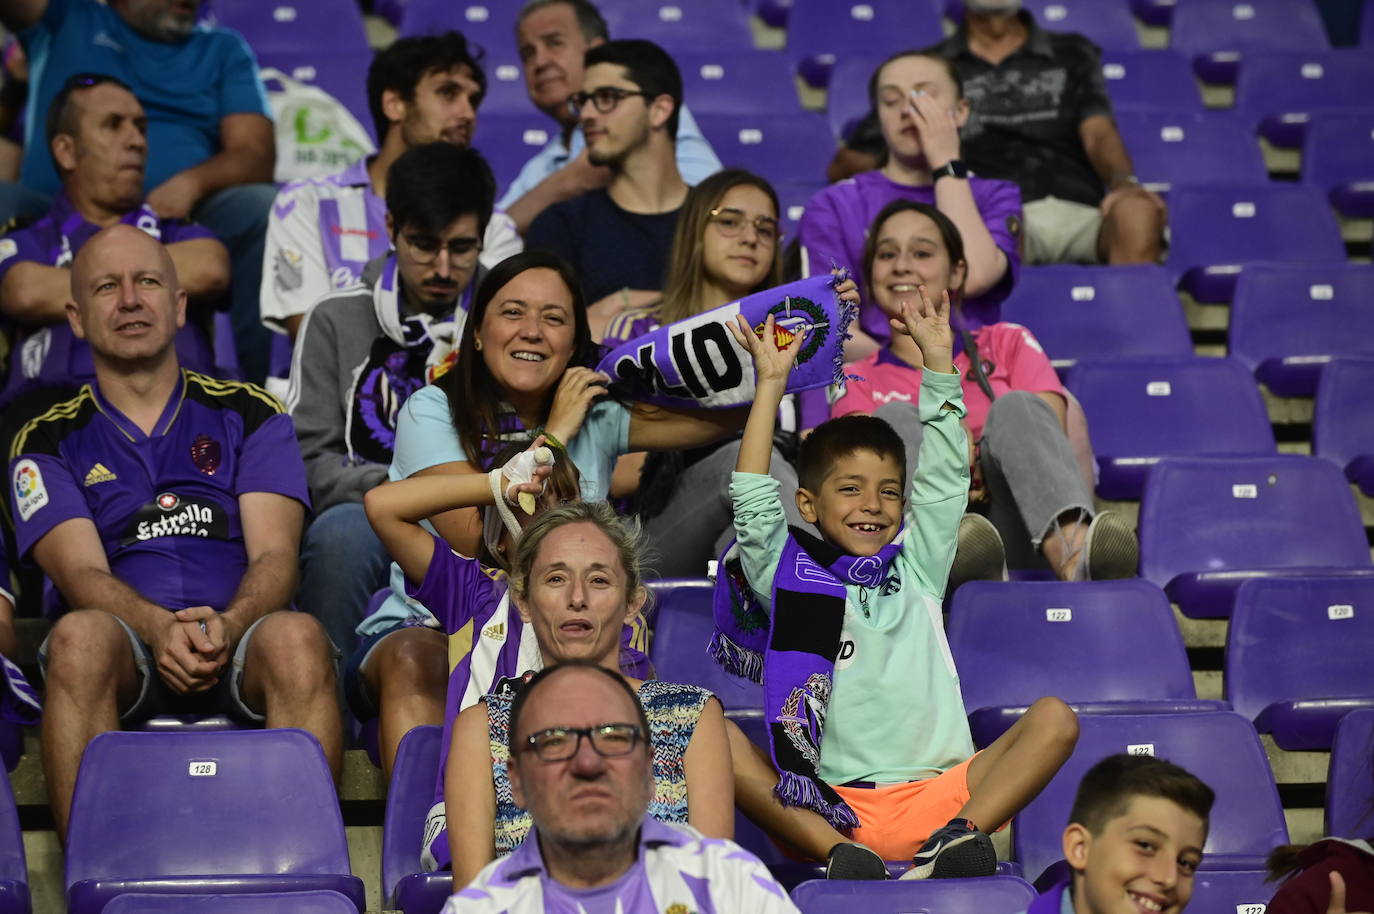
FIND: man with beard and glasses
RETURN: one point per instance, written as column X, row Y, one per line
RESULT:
column 580, row 762
column 363, row 350
column 210, row 143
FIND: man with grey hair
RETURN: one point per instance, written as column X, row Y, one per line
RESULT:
column 581, row 763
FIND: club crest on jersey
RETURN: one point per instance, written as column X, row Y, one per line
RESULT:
column 205, row 454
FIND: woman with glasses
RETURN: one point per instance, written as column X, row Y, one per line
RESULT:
column 576, row 580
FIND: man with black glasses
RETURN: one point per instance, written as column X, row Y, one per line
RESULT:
column 581, row 763
column 618, row 239
column 363, row 350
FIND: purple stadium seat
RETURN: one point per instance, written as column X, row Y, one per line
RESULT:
column 846, row 99
column 682, row 632
column 14, row 878
column 1218, row 229
column 1141, row 410
column 989, row 895
column 1343, row 423
column 1338, row 157
column 408, row 799
column 343, row 74
column 781, row 147
column 821, row 32
column 508, row 141
column 1209, row 523
column 1220, row 747
column 1154, row 12
column 306, row 25
column 1197, row 148
column 490, row 24
column 1082, row 312
column 1287, row 322
column 1108, row 647
column 1107, row 22
column 793, row 196
column 323, row 902
column 1218, row 34
column 1350, row 780
column 738, row 83
column 1278, row 92
column 1297, row 656
column 1230, row 892
column 682, row 26
column 1150, row 81
column 174, row 813
column 506, row 93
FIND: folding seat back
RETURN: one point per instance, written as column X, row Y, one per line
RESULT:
column 1141, row 410
column 1230, row 891
column 205, row 813
column 1080, row 312
column 821, row 32
column 1288, row 321
column 408, row 799
column 1173, row 147
column 1343, row 423
column 322, row 902
column 740, row 83
column 1150, row 81
column 1297, row 655
column 683, row 26
column 1220, row 747
column 986, row 895
column 306, row 25
column 793, row 196
column 1350, row 777
column 846, row 99
column 1218, row 229
column 506, row 92
column 1218, row 34
column 780, row 147
column 683, row 627
column 1338, row 157
column 1279, row 91
column 1108, row 23
column 489, row 24
column 509, row 140
column 1208, row 523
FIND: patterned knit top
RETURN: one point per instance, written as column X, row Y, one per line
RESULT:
column 673, row 710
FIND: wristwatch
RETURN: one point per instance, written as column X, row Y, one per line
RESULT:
column 954, row 168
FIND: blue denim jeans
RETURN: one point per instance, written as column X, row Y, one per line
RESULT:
column 238, row 215
column 342, row 565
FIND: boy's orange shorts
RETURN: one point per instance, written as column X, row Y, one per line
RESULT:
column 896, row 819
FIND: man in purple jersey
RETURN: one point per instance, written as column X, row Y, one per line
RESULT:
column 166, row 507
column 97, row 135
column 581, row 763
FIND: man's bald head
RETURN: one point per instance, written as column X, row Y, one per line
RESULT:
column 128, row 303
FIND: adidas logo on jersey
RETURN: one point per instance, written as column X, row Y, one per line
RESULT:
column 99, row 473
column 498, row 630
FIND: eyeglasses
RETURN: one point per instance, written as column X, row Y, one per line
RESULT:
column 605, row 99
column 424, row 249
column 731, row 222
column 558, row 744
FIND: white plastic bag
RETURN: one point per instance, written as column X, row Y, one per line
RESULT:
column 316, row 134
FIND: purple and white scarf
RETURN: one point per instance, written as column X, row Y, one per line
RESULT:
column 793, row 653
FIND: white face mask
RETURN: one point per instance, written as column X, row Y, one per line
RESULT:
column 992, row 7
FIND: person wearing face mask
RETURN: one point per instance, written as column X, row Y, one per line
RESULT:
column 921, row 107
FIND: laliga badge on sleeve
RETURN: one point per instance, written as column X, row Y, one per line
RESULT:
column 30, row 493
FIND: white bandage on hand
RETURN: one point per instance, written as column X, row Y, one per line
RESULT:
column 520, row 470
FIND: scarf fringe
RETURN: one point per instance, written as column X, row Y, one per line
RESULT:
column 847, row 313
column 735, row 658
column 798, row 790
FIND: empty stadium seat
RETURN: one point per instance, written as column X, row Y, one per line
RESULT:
column 508, row 141
column 1297, row 656
column 1217, row 230
column 1219, row 34
column 1080, row 312
column 1343, row 423
column 1150, row 81
column 1197, row 148
column 820, row 32
column 1103, row 647
column 793, row 196
column 506, row 92
column 782, row 147
column 846, row 99
column 489, row 24
column 14, row 877
column 212, row 813
column 1231, row 892
column 988, row 895
column 1108, row 23
column 296, row 24
column 683, row 26
column 1279, row 92
column 747, row 83
column 1158, row 13
column 1220, row 747
column 1287, row 322
column 1141, row 410
column 1209, row 523
column 683, row 626
column 324, row 902
column 408, row 799
column 1338, row 157
column 1349, row 779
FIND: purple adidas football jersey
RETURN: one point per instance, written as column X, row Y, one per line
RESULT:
column 166, row 504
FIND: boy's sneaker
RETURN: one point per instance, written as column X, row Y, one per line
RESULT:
column 956, row 851
column 1111, row 550
column 854, row 861
column 979, row 554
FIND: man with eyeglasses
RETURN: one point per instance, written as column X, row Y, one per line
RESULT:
column 581, row 763
column 362, row 351
column 618, row 239
column 552, row 36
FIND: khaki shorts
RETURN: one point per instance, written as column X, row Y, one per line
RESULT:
column 1060, row 231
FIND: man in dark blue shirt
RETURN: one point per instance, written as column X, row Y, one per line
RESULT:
column 166, row 507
